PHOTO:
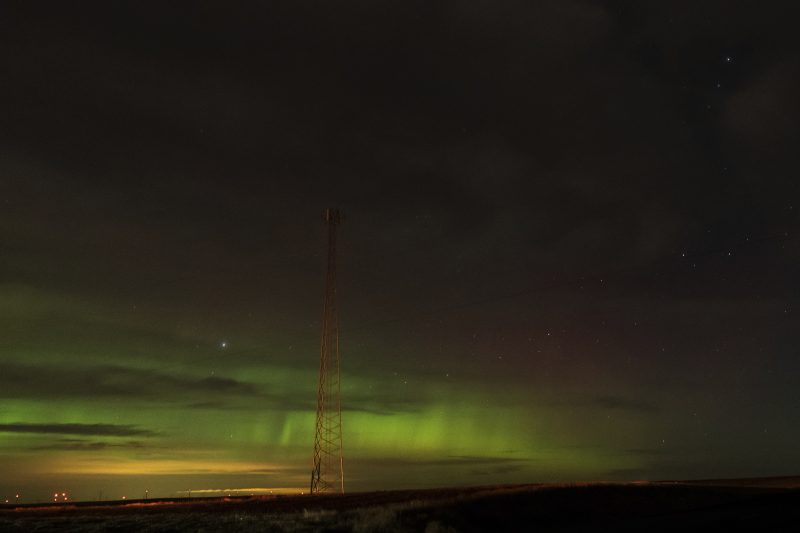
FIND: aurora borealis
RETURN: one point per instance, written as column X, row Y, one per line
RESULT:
column 569, row 249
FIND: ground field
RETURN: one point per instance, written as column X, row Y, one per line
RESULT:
column 728, row 505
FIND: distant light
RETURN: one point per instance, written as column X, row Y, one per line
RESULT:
column 223, row 344
column 124, row 497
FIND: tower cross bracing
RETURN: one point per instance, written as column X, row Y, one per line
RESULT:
column 327, row 474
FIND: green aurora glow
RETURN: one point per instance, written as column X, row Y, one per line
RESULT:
column 246, row 416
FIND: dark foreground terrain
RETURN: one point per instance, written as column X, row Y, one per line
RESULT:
column 731, row 505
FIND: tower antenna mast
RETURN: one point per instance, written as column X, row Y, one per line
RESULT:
column 327, row 474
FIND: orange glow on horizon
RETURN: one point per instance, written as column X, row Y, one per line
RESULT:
column 164, row 466
column 257, row 490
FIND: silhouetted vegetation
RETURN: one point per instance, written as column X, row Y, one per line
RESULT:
column 593, row 507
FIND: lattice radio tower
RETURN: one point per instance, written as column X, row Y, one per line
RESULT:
column 328, row 472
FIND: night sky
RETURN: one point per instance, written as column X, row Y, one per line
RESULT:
column 569, row 251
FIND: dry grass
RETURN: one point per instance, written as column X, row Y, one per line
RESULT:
column 574, row 507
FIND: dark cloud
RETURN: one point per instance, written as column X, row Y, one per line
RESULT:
column 133, row 384
column 538, row 134
column 109, row 430
column 612, row 403
column 212, row 405
column 89, row 446
column 473, row 465
column 761, row 114
column 499, row 470
column 625, row 404
column 457, row 460
column 493, row 461
column 646, row 451
column 225, row 385
column 386, row 403
column 381, row 403
column 25, row 381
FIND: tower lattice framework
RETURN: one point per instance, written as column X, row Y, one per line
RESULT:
column 327, row 474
